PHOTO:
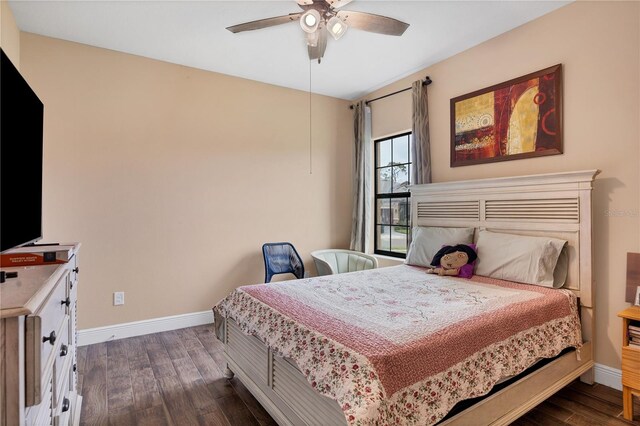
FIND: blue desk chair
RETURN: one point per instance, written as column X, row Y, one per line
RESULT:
column 281, row 258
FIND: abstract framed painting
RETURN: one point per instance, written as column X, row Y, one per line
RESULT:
column 520, row 118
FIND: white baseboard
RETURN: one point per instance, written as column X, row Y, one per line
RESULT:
column 90, row 336
column 608, row 376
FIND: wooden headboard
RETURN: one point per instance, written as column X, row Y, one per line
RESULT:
column 556, row 205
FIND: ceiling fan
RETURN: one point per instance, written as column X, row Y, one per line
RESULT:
column 320, row 17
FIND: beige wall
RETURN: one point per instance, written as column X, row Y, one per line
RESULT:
column 9, row 34
column 173, row 177
column 598, row 45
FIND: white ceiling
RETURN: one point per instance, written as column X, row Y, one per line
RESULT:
column 193, row 33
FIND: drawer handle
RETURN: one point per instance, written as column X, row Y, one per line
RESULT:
column 66, row 404
column 64, row 349
column 66, row 301
column 76, row 269
column 51, row 338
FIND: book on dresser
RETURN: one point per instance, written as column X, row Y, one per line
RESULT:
column 38, row 341
column 37, row 255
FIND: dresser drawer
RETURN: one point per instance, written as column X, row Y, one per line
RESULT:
column 73, row 371
column 43, row 330
column 64, row 419
column 62, row 408
column 73, row 311
column 631, row 367
column 64, row 356
column 42, row 414
column 73, row 271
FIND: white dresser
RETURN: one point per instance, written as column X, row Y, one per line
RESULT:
column 38, row 345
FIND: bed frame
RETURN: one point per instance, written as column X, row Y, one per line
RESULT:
column 556, row 205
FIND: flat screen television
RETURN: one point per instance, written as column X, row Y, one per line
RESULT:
column 21, row 123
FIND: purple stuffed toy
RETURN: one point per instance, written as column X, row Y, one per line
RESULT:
column 458, row 260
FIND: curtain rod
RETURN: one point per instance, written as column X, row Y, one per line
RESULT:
column 427, row 81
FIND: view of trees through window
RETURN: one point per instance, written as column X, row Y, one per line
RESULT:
column 392, row 180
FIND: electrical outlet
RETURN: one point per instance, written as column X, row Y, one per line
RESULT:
column 118, row 298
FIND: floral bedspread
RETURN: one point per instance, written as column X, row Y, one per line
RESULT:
column 399, row 346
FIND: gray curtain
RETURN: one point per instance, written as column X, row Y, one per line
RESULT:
column 421, row 146
column 362, row 181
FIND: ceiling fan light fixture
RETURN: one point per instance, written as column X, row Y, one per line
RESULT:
column 310, row 20
column 336, row 27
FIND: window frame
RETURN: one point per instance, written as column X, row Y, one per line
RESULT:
column 390, row 195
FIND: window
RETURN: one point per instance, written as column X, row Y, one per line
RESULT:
column 392, row 207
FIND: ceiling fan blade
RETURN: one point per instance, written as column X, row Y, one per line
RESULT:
column 338, row 3
column 317, row 52
column 264, row 23
column 373, row 23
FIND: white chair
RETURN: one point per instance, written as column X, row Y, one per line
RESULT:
column 330, row 262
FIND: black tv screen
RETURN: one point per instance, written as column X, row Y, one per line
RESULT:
column 21, row 122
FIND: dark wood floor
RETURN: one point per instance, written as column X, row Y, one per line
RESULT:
column 175, row 378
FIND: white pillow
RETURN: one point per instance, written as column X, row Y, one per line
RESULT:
column 519, row 258
column 427, row 240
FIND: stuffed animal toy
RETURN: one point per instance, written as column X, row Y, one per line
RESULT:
column 458, row 260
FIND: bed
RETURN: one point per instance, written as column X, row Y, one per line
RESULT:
column 396, row 345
